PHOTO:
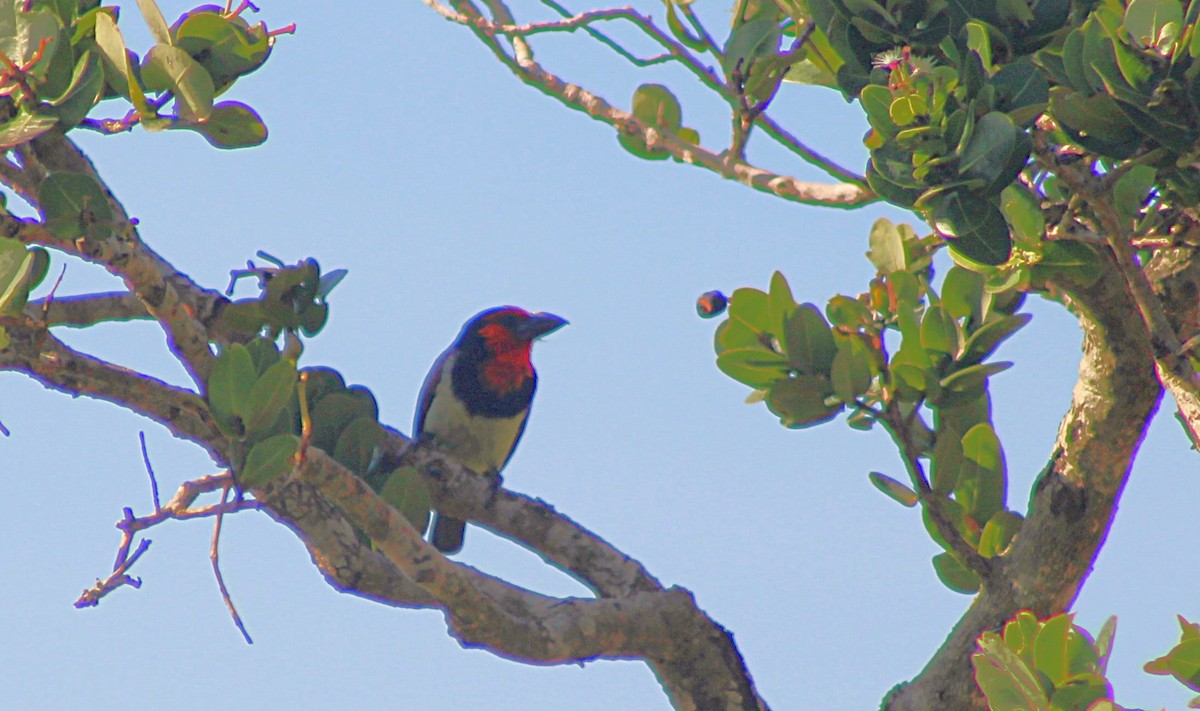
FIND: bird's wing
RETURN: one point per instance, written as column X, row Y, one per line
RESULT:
column 429, row 387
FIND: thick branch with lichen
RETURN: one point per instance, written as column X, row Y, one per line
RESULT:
column 1073, row 501
column 662, row 626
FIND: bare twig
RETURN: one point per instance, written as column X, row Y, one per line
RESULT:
column 119, row 578
column 178, row 508
column 150, row 472
column 214, row 556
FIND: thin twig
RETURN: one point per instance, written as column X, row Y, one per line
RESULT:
column 150, row 472
column 119, row 577
column 46, row 302
column 178, row 508
column 216, row 566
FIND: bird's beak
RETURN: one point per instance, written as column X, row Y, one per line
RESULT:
column 539, row 324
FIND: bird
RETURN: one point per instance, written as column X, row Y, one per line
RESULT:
column 475, row 401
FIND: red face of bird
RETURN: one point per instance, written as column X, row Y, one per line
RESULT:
column 507, row 334
column 508, row 328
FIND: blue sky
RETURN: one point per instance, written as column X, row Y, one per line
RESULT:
column 403, row 152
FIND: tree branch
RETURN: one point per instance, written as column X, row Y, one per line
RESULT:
column 849, row 194
column 36, row 352
column 1174, row 369
column 169, row 295
column 1074, row 499
column 693, row 656
column 87, row 309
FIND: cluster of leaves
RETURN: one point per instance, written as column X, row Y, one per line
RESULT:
column 271, row 412
column 655, row 105
column 293, row 298
column 62, row 57
column 1127, row 82
column 808, row 369
column 1183, row 661
column 1044, row 665
column 949, row 116
column 254, row 394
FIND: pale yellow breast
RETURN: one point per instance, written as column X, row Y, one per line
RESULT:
column 479, row 443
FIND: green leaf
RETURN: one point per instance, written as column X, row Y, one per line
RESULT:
column 83, row 93
column 848, row 313
column 654, row 104
column 23, row 128
column 155, row 21
column 168, row 68
column 22, row 33
column 1007, row 682
column 1020, row 633
column 406, row 491
column 894, row 490
column 962, row 292
column 74, row 204
column 263, row 353
column 226, row 48
column 748, row 306
column 1104, row 643
column 269, row 459
column 1051, row 649
column 680, row 32
column 1075, row 258
column 112, row 49
column 850, row 372
column 1081, row 693
column 802, row 401
column 887, row 247
column 946, row 461
column 357, row 444
column 319, row 382
column 1022, row 91
column 1146, row 19
column 269, row 395
column 1023, row 214
column 756, row 367
column 907, row 108
column 984, row 341
column 780, row 303
column 747, row 43
column 980, row 41
column 230, row 382
column 998, row 533
column 955, row 575
column 939, row 331
column 988, row 151
column 231, row 125
column 974, row 228
column 15, row 264
column 877, row 103
column 1132, row 190
column 332, row 414
column 982, row 481
column 808, row 341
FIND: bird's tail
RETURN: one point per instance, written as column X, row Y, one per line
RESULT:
column 448, row 533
